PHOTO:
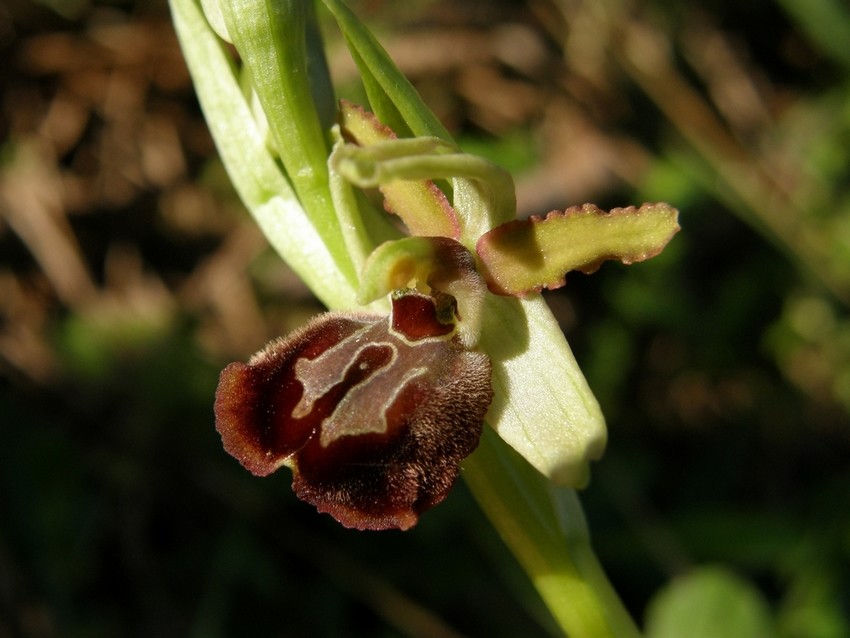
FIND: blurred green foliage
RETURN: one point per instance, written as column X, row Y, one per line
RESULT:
column 723, row 365
column 707, row 603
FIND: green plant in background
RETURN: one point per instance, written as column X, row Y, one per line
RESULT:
column 790, row 186
column 375, row 430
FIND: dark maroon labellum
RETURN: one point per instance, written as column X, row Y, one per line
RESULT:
column 373, row 414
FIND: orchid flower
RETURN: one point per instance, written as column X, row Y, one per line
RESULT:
column 439, row 355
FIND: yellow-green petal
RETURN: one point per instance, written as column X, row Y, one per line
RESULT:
column 526, row 256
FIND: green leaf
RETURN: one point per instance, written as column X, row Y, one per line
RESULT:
column 391, row 95
column 709, row 603
column 526, row 256
column 827, row 23
column 253, row 169
column 271, row 38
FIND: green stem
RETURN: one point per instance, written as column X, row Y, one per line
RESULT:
column 545, row 528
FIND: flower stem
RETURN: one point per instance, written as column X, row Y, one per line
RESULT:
column 545, row 528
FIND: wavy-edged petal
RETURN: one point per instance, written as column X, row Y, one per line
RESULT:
column 524, row 256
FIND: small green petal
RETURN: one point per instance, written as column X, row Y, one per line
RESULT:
column 526, row 256
column 421, row 205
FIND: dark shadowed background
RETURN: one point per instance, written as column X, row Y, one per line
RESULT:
column 130, row 274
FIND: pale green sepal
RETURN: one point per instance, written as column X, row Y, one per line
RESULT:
column 542, row 405
column 255, row 174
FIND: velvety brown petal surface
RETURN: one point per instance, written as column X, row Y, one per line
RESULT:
column 373, row 414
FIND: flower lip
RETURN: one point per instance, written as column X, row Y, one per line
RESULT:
column 373, row 414
column 416, row 317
